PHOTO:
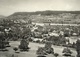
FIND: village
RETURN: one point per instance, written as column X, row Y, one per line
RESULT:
column 38, row 40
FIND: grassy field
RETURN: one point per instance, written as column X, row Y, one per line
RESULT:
column 32, row 51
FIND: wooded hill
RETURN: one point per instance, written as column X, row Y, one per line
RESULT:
column 48, row 16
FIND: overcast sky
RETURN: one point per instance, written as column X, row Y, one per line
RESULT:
column 8, row 7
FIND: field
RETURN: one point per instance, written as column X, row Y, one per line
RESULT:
column 32, row 51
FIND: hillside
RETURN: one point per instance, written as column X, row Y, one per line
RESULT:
column 48, row 16
column 48, row 12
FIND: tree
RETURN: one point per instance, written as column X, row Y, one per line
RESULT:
column 48, row 47
column 74, row 45
column 56, row 54
column 67, row 52
column 26, row 31
column 24, row 45
column 78, row 48
column 2, row 40
column 40, row 52
column 15, row 49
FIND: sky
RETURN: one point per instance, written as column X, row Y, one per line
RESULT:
column 8, row 7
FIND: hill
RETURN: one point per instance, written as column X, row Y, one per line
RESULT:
column 48, row 12
column 48, row 16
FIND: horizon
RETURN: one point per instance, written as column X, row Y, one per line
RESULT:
column 40, row 11
column 8, row 7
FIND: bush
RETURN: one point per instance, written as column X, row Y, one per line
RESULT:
column 15, row 49
column 56, row 54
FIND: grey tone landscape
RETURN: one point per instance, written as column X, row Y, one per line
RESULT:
column 39, row 28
